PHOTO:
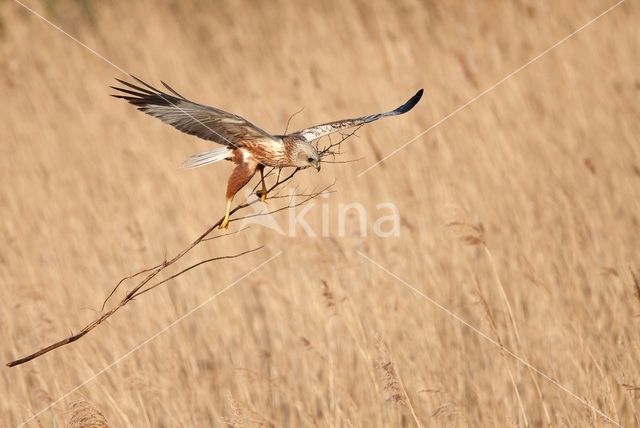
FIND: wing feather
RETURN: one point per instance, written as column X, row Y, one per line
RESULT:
column 189, row 117
column 318, row 131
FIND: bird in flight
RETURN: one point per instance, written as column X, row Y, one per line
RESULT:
column 243, row 143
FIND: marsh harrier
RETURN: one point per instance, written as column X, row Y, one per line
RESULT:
column 248, row 146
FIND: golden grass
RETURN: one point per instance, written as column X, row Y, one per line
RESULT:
column 85, row 415
column 541, row 176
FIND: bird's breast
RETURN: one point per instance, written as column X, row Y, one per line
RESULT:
column 268, row 152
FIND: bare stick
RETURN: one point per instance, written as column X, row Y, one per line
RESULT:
column 289, row 121
column 307, row 198
column 345, row 161
column 129, row 297
column 333, row 149
column 127, row 278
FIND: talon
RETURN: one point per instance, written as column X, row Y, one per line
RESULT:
column 225, row 221
column 263, row 192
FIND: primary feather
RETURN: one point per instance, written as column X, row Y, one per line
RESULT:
column 189, row 117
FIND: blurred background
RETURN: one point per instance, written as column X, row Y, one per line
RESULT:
column 519, row 214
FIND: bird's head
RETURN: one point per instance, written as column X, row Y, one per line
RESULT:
column 305, row 155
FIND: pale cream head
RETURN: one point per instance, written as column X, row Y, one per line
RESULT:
column 305, row 155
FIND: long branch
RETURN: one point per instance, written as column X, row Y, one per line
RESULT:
column 129, row 297
column 138, row 289
column 153, row 271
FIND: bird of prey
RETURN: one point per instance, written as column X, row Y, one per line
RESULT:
column 243, row 143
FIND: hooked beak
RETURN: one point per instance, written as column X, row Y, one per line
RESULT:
column 318, row 165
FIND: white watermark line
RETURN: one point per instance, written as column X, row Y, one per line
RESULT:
column 491, row 340
column 491, row 88
column 137, row 347
column 93, row 51
column 72, row 37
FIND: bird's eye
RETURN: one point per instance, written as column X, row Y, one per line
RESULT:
column 310, row 160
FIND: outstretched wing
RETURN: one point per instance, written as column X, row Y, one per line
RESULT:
column 318, row 131
column 192, row 118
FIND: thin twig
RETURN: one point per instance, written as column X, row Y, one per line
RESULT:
column 127, row 278
column 193, row 266
column 345, row 161
column 307, row 198
column 291, row 117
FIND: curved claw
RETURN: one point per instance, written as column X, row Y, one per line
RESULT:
column 262, row 193
column 225, row 221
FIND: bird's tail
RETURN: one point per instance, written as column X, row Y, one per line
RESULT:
column 206, row 158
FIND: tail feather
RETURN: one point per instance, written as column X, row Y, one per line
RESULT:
column 206, row 158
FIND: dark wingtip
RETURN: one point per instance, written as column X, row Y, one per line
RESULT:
column 170, row 89
column 411, row 103
column 145, row 94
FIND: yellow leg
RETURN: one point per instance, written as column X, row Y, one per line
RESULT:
column 262, row 193
column 225, row 220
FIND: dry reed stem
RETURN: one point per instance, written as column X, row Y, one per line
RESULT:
column 330, row 303
column 477, row 238
column 295, row 401
column 392, row 382
column 516, row 331
column 494, row 330
column 636, row 284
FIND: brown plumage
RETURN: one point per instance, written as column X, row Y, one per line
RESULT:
column 248, row 146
